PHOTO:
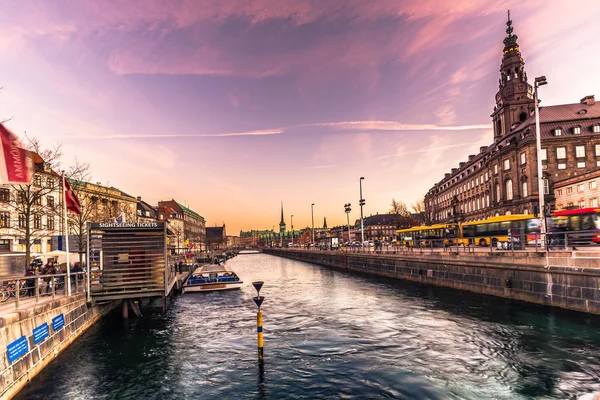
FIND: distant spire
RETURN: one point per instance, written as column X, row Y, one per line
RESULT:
column 325, row 222
column 509, row 31
column 282, row 221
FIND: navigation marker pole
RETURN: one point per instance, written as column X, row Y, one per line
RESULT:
column 259, row 322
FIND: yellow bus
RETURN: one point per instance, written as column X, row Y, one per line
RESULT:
column 495, row 229
column 429, row 236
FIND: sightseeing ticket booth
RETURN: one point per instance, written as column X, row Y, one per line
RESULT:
column 129, row 261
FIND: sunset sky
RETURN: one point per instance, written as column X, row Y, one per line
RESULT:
column 233, row 106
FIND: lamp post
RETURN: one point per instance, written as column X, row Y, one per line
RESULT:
column 312, row 213
column 292, row 229
column 361, row 202
column 347, row 209
column 539, row 81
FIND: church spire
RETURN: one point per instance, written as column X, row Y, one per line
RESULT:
column 324, row 222
column 282, row 222
column 514, row 100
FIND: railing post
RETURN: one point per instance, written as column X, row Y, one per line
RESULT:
column 17, row 290
column 37, row 288
column 53, row 286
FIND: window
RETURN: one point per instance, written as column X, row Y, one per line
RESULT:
column 487, row 200
column 559, row 192
column 525, row 211
column 21, row 221
column 496, row 169
column 37, row 200
column 487, row 176
column 497, row 193
column 562, row 166
column 506, row 164
column 594, row 203
column 543, row 154
column 50, row 201
column 593, row 185
column 569, row 190
column 523, row 158
column 558, row 132
column 577, row 130
column 598, row 149
column 509, row 190
column 561, row 153
column 524, row 189
column 37, row 222
column 37, row 180
column 546, row 186
column 50, row 183
column 581, row 203
column 580, row 187
column 4, row 219
column 581, row 164
column 50, row 223
column 5, row 195
column 596, row 128
column 579, row 151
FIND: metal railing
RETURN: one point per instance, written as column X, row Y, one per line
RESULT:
column 39, row 286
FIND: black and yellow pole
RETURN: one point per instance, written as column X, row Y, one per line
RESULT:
column 259, row 322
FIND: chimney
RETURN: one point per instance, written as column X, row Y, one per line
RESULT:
column 454, row 170
column 482, row 149
column 139, row 198
column 461, row 165
column 589, row 100
column 471, row 157
column 446, row 175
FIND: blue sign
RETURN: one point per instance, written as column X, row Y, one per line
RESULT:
column 17, row 349
column 58, row 322
column 40, row 333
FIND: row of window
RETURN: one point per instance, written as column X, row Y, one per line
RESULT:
column 580, row 188
column 21, row 221
column 5, row 198
column 581, row 204
column 50, row 182
column 576, row 130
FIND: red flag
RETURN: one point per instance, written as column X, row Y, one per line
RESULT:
column 16, row 165
column 73, row 203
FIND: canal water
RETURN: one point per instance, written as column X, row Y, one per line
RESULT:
column 330, row 334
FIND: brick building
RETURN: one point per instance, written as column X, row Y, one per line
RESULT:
column 188, row 227
column 502, row 178
column 580, row 191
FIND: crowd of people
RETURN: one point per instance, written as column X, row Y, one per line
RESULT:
column 46, row 272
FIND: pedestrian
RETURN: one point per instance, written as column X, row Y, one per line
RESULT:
column 180, row 266
column 76, row 268
column 48, row 270
column 30, row 283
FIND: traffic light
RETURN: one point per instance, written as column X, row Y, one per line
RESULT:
column 536, row 211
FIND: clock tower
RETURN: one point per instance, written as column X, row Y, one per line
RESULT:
column 514, row 100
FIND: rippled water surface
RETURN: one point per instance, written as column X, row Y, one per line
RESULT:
column 330, row 334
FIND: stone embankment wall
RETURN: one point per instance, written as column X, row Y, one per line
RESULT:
column 568, row 280
column 77, row 318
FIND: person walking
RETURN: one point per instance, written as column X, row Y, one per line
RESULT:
column 48, row 270
column 30, row 283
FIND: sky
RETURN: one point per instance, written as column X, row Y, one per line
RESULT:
column 232, row 107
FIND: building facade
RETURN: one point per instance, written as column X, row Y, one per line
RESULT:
column 187, row 226
column 581, row 191
column 502, row 178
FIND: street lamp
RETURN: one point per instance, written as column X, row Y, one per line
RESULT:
column 361, row 202
column 312, row 213
column 539, row 81
column 347, row 209
column 292, row 229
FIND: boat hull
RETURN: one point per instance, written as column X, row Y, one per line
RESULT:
column 211, row 287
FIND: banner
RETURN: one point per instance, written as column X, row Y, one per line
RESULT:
column 16, row 164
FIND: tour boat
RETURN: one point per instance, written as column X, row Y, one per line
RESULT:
column 212, row 277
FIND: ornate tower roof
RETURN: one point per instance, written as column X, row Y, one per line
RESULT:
column 325, row 222
column 282, row 222
column 514, row 98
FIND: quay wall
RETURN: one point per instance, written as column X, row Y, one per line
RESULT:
column 78, row 316
column 565, row 280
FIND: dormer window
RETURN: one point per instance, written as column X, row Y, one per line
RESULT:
column 557, row 132
column 577, row 130
column 596, row 128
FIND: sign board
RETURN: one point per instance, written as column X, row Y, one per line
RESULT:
column 58, row 322
column 17, row 349
column 136, row 225
column 40, row 333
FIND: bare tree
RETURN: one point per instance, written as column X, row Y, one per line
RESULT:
column 77, row 175
column 404, row 218
column 31, row 202
column 418, row 208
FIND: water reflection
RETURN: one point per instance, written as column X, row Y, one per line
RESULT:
column 331, row 335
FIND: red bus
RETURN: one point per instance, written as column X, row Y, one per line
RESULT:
column 582, row 225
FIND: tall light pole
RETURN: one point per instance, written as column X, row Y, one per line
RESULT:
column 292, row 229
column 347, row 209
column 361, row 202
column 539, row 81
column 312, row 213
